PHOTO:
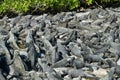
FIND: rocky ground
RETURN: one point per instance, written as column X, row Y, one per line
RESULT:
column 65, row 46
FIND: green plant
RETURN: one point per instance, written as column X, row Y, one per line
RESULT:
column 23, row 6
column 89, row 2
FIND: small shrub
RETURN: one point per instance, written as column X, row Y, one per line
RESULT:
column 89, row 2
column 23, row 6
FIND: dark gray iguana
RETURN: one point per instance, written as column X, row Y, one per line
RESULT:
column 32, row 53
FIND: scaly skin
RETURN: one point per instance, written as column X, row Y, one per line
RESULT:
column 32, row 53
column 12, row 40
column 75, row 50
column 63, row 62
column 1, row 76
column 7, row 53
column 18, row 64
column 50, row 50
